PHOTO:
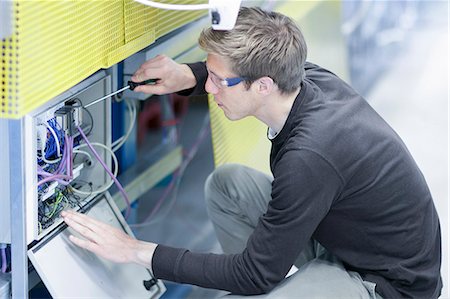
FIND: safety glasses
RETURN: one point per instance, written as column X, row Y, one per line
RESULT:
column 224, row 82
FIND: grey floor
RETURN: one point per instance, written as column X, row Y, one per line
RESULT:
column 182, row 220
column 412, row 95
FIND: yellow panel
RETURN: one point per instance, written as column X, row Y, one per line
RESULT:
column 129, row 48
column 9, row 104
column 139, row 20
column 58, row 44
column 169, row 20
column 244, row 141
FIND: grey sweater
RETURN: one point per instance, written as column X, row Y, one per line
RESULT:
column 343, row 177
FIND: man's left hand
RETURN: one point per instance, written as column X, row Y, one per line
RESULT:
column 107, row 241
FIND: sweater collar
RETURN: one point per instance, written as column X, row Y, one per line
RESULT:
column 284, row 133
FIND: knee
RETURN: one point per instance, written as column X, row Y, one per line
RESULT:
column 220, row 181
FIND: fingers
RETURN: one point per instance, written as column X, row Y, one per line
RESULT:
column 151, row 69
column 72, row 220
column 160, row 67
column 157, row 62
column 90, row 228
column 86, row 226
column 91, row 246
column 147, row 73
column 152, row 89
column 84, row 220
column 100, row 238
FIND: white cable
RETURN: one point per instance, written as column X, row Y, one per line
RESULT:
column 49, row 161
column 174, row 6
column 108, row 184
column 132, row 115
column 83, row 153
column 192, row 152
column 42, row 142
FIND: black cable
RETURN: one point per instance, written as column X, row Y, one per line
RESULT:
column 92, row 121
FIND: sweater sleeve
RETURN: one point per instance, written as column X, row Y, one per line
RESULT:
column 303, row 190
column 201, row 75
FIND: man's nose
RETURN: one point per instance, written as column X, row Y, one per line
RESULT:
column 210, row 87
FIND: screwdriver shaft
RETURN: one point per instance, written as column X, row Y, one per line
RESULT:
column 107, row 96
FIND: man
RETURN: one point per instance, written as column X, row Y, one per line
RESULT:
column 347, row 204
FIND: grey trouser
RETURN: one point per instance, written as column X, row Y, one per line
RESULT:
column 236, row 197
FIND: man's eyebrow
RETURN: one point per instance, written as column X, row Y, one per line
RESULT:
column 209, row 70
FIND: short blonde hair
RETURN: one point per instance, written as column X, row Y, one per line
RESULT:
column 261, row 44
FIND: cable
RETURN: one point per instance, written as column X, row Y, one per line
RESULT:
column 55, row 136
column 88, row 112
column 59, row 198
column 132, row 114
column 115, row 167
column 92, row 121
column 64, row 156
column 50, row 161
column 76, row 151
column 65, row 161
column 174, row 6
column 124, row 194
column 57, row 177
column 58, row 145
column 178, row 175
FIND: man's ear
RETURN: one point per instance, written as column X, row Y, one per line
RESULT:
column 264, row 85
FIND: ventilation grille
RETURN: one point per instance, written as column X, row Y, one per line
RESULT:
column 242, row 141
column 172, row 19
column 57, row 44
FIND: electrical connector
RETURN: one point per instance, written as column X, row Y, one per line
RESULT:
column 77, row 111
column 64, row 118
column 78, row 115
column 70, row 116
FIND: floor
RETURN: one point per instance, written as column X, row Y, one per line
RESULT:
column 182, row 220
column 412, row 95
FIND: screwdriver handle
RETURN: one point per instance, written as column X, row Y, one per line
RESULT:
column 133, row 85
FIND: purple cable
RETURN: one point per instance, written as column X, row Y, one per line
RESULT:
column 46, row 174
column 4, row 266
column 63, row 158
column 163, row 197
column 56, row 177
column 66, row 160
column 178, row 173
column 70, row 160
column 97, row 156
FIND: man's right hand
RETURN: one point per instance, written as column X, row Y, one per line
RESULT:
column 172, row 76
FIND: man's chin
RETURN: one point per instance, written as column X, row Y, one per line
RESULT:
column 232, row 117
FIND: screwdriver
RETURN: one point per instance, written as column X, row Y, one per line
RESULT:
column 130, row 85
